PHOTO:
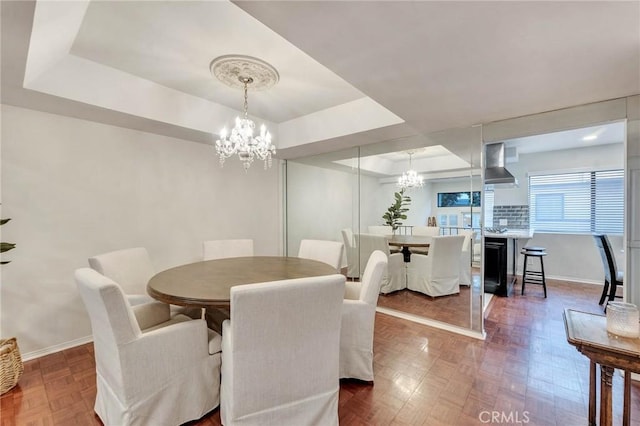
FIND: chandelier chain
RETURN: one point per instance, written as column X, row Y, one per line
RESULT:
column 246, row 81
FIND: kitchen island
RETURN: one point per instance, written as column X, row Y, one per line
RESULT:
column 497, row 279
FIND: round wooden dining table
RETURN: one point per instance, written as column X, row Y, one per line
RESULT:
column 407, row 242
column 208, row 283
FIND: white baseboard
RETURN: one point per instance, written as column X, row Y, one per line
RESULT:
column 432, row 323
column 56, row 348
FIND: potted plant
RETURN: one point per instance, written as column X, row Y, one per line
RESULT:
column 396, row 212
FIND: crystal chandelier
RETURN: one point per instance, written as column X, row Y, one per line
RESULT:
column 242, row 71
column 410, row 178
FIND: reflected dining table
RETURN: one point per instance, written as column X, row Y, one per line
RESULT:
column 407, row 242
column 207, row 284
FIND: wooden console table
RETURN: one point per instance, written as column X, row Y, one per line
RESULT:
column 588, row 333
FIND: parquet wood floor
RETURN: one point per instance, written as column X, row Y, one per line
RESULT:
column 524, row 373
column 455, row 309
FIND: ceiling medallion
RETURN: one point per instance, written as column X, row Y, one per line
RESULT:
column 233, row 69
column 241, row 72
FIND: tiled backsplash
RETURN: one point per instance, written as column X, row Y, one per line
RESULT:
column 517, row 216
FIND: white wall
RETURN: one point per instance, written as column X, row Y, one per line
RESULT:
column 419, row 209
column 75, row 188
column 320, row 203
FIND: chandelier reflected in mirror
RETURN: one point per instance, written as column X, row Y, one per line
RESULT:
column 410, row 178
column 243, row 72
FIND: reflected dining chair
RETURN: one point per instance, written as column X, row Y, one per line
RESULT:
column 438, row 273
column 329, row 252
column 427, row 231
column 358, row 318
column 612, row 276
column 131, row 268
column 395, row 276
column 380, row 229
column 351, row 252
column 150, row 369
column 424, row 231
column 280, row 353
column 465, row 258
column 222, row 249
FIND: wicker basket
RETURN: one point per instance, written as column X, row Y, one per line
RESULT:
column 11, row 367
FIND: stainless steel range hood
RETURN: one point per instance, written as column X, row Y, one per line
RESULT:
column 495, row 173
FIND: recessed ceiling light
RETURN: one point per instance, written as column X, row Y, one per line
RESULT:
column 593, row 136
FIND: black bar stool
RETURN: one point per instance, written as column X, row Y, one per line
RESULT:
column 534, row 277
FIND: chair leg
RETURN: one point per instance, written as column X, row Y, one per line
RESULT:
column 544, row 281
column 524, row 274
column 612, row 292
column 605, row 290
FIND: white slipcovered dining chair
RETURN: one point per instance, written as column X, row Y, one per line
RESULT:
column 280, row 353
column 150, row 369
column 427, row 231
column 358, row 318
column 223, row 249
column 380, row 229
column 131, row 268
column 351, row 253
column 465, row 258
column 395, row 276
column 329, row 252
column 438, row 273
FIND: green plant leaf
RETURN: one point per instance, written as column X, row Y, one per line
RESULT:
column 6, row 247
column 395, row 213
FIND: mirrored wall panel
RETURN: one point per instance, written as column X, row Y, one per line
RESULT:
column 321, row 198
column 418, row 199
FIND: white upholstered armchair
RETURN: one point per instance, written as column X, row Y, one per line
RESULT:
column 280, row 353
column 329, row 252
column 358, row 317
column 465, row 258
column 427, row 231
column 394, row 277
column 351, row 253
column 131, row 268
column 438, row 273
column 380, row 229
column 150, row 369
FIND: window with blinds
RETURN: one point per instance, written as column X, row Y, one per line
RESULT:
column 578, row 203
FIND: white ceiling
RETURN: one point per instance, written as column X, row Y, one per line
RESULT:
column 172, row 44
column 569, row 139
column 351, row 73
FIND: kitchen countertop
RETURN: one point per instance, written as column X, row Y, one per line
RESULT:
column 511, row 233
